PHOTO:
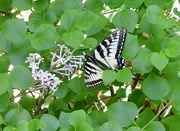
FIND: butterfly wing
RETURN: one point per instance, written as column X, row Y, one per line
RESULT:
column 109, row 51
column 107, row 55
column 92, row 72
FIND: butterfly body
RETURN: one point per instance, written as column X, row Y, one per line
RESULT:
column 106, row 56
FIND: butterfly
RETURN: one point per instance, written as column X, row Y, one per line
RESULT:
column 106, row 56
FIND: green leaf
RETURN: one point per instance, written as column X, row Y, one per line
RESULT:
column 98, row 25
column 154, row 14
column 8, row 129
column 98, row 118
column 3, row 19
column 148, row 27
column 133, row 4
column 159, row 60
column 28, row 102
column 145, row 117
column 75, row 4
column 123, row 113
column 16, row 115
column 113, row 4
column 20, row 77
column 5, row 45
column 40, row 4
column 134, row 128
column 172, row 49
column 84, row 127
column 68, row 18
column 50, row 16
column 4, row 63
column 171, row 123
column 125, row 19
column 22, row 4
column 22, row 126
column 51, row 123
column 131, row 47
column 73, row 38
column 35, row 20
column 14, row 30
column 64, row 120
column 57, row 105
column 165, row 23
column 57, row 6
column 139, row 101
column 108, row 76
column 110, row 126
column 18, row 56
column 141, row 63
column 44, row 37
column 62, row 91
column 35, row 125
column 5, row 5
column 158, row 40
column 175, row 99
column 155, row 87
column 121, row 93
column 86, row 19
column 89, row 43
column 4, row 101
column 155, row 125
column 160, row 3
column 172, row 73
column 80, row 92
column 94, row 5
column 1, row 120
column 77, row 117
column 4, row 85
column 124, row 75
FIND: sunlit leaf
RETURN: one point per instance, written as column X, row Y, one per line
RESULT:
column 155, row 87
column 109, row 76
column 122, row 112
column 14, row 30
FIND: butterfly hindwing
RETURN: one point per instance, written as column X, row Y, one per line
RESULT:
column 107, row 55
column 92, row 72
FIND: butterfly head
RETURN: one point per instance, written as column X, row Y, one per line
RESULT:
column 121, row 63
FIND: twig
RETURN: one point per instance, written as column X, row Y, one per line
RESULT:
column 136, row 80
column 37, row 110
column 155, row 116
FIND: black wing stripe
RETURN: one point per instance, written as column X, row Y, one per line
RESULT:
column 92, row 72
column 107, row 55
column 94, row 83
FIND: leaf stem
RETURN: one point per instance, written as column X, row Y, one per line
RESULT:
column 155, row 116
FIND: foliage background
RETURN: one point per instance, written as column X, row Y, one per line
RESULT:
column 152, row 72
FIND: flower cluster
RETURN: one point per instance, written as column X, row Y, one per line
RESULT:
column 63, row 63
column 42, row 79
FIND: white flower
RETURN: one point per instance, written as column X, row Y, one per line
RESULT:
column 63, row 63
column 42, row 79
column 47, row 80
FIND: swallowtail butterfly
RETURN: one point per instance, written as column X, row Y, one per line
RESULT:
column 107, row 55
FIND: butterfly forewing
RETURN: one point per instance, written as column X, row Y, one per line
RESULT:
column 111, row 48
column 107, row 55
